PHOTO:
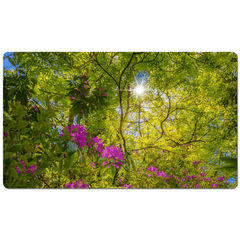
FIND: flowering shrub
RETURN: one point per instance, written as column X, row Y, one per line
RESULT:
column 115, row 154
column 78, row 184
column 79, row 136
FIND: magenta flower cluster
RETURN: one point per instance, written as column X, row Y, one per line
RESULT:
column 79, row 136
column 95, row 141
column 159, row 174
column 196, row 163
column 78, row 184
column 32, row 169
column 5, row 134
column 115, row 154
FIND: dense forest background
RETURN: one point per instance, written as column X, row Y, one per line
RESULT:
column 78, row 120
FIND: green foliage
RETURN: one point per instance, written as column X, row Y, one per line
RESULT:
column 187, row 113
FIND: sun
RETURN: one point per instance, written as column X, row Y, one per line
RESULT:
column 139, row 90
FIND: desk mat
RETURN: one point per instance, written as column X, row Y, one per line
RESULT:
column 120, row 120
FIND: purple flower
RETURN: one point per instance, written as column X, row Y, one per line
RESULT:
column 104, row 163
column 5, row 134
column 184, row 185
column 127, row 186
column 197, row 186
column 105, row 94
column 79, row 136
column 32, row 169
column 209, row 180
column 97, row 143
column 18, row 171
column 136, row 151
column 115, row 165
column 162, row 174
column 122, row 180
column 78, row 184
column 84, row 76
column 214, row 185
column 183, row 179
column 152, row 169
column 92, row 103
column 72, row 97
column 201, row 168
column 85, row 86
column 163, row 151
column 37, row 146
column 113, row 153
column 188, row 177
column 36, row 108
column 220, row 179
column 149, row 175
column 196, row 163
column 202, row 174
column 101, row 89
column 70, row 185
column 185, row 171
column 163, row 132
column 93, row 164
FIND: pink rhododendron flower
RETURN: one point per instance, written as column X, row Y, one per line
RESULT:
column 152, row 169
column 78, row 184
column 127, row 186
column 5, row 134
column 214, row 185
column 79, row 136
column 202, row 174
column 197, row 186
column 93, row 164
column 18, row 171
column 97, row 143
column 184, row 185
column 104, row 163
column 149, row 175
column 220, row 179
column 85, row 86
column 32, row 169
column 105, row 94
column 196, row 163
column 72, row 97
column 113, row 153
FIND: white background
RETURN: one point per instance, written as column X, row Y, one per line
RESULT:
column 119, row 26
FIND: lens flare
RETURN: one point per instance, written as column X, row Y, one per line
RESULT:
column 139, row 89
